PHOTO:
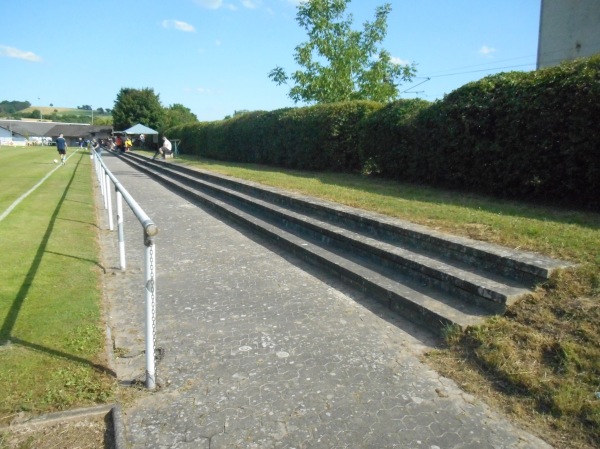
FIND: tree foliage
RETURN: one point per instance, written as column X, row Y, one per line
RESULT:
column 341, row 64
column 10, row 107
column 134, row 106
column 178, row 114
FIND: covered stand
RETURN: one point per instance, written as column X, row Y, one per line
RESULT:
column 142, row 129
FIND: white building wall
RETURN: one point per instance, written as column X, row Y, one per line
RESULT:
column 569, row 29
column 7, row 137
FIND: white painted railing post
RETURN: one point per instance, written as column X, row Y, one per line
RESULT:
column 120, row 231
column 109, row 204
column 105, row 183
column 150, row 283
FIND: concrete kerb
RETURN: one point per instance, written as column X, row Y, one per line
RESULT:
column 112, row 412
column 118, row 428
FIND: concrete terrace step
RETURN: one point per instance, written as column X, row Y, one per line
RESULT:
column 529, row 268
column 469, row 283
column 433, row 279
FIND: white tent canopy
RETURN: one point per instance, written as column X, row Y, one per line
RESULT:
column 140, row 129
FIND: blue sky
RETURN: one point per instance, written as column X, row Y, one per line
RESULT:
column 213, row 56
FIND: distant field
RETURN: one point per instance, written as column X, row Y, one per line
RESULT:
column 47, row 110
column 51, row 109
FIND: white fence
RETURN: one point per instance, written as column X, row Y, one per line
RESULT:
column 106, row 178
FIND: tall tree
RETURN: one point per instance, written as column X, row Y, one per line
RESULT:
column 134, row 106
column 341, row 64
column 178, row 114
column 13, row 106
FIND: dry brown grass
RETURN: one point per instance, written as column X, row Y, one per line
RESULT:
column 90, row 433
column 539, row 362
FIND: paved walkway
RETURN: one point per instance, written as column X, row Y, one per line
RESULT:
column 260, row 353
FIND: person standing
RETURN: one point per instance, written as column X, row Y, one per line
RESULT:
column 128, row 144
column 119, row 144
column 61, row 147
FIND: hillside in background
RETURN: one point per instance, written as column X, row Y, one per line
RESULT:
column 83, row 114
column 50, row 109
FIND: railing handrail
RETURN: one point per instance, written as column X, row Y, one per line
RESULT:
column 149, row 226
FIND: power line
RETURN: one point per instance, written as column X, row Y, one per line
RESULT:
column 484, row 70
column 412, row 87
column 428, row 78
column 544, row 54
column 533, row 65
column 479, row 65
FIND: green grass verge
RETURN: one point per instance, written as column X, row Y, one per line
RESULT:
column 52, row 344
column 540, row 361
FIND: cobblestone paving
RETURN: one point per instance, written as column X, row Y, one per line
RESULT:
column 260, row 353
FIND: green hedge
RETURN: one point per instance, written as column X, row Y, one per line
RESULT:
column 520, row 135
column 532, row 136
column 323, row 137
column 385, row 146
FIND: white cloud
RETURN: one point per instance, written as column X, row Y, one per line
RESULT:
column 11, row 52
column 250, row 4
column 200, row 90
column 398, row 61
column 178, row 25
column 487, row 51
column 210, row 4
column 217, row 4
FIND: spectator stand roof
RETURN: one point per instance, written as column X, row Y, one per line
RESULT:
column 140, row 129
column 53, row 129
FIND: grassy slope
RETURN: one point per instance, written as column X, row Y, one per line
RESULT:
column 51, row 334
column 540, row 362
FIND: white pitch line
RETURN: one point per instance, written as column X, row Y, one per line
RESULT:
column 26, row 194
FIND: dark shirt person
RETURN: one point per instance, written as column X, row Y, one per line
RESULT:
column 61, row 147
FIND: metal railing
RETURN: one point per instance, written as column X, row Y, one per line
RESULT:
column 105, row 178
